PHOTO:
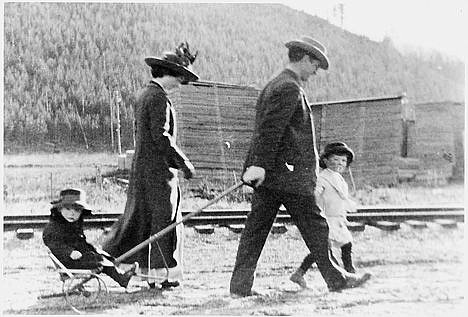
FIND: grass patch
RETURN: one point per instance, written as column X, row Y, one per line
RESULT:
column 407, row 265
column 31, row 181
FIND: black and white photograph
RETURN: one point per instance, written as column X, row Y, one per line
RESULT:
column 275, row 158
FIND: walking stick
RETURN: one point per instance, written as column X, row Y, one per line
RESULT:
column 161, row 233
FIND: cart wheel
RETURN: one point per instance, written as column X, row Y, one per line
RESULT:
column 83, row 290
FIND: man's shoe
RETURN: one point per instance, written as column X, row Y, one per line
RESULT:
column 298, row 279
column 246, row 294
column 239, row 295
column 352, row 280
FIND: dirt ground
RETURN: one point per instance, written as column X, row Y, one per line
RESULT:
column 416, row 272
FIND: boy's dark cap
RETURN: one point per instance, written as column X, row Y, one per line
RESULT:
column 338, row 148
column 72, row 197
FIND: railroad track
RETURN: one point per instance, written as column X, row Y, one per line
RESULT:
column 225, row 217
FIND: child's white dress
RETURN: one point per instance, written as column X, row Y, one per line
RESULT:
column 332, row 197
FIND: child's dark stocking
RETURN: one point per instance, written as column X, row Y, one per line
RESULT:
column 346, row 251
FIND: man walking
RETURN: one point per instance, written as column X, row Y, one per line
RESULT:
column 282, row 166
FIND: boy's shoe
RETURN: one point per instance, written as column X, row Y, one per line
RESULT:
column 132, row 270
column 127, row 276
column 298, row 279
column 352, row 280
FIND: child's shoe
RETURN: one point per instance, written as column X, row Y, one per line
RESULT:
column 127, row 276
column 298, row 278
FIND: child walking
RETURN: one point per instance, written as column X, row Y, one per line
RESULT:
column 65, row 238
column 332, row 196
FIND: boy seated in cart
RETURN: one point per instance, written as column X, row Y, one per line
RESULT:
column 65, row 238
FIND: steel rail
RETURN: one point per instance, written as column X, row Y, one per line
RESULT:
column 172, row 226
column 224, row 217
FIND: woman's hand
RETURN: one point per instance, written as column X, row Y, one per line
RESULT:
column 188, row 169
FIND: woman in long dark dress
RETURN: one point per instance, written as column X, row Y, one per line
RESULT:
column 153, row 194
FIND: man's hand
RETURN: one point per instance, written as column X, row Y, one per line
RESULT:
column 188, row 169
column 254, row 175
column 75, row 255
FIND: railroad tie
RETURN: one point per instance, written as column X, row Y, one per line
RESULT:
column 278, row 228
column 356, row 226
column 416, row 224
column 385, row 225
column 236, row 228
column 204, row 229
column 446, row 223
column 25, row 233
column 366, row 215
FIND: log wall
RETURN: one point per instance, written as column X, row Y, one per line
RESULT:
column 372, row 128
column 438, row 139
column 215, row 125
column 392, row 139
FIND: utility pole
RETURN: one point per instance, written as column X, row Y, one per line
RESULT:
column 341, row 10
column 338, row 13
column 111, row 122
column 133, row 130
column 118, row 100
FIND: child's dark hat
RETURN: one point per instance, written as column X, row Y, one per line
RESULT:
column 179, row 62
column 337, row 148
column 72, row 197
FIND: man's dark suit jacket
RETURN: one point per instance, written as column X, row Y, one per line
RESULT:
column 284, row 138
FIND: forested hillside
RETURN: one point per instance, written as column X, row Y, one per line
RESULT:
column 63, row 61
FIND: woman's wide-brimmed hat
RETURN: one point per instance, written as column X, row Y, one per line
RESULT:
column 312, row 47
column 337, row 148
column 180, row 62
column 73, row 197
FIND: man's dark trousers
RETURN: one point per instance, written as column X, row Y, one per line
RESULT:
column 312, row 226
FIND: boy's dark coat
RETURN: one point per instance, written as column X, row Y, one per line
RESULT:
column 62, row 237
